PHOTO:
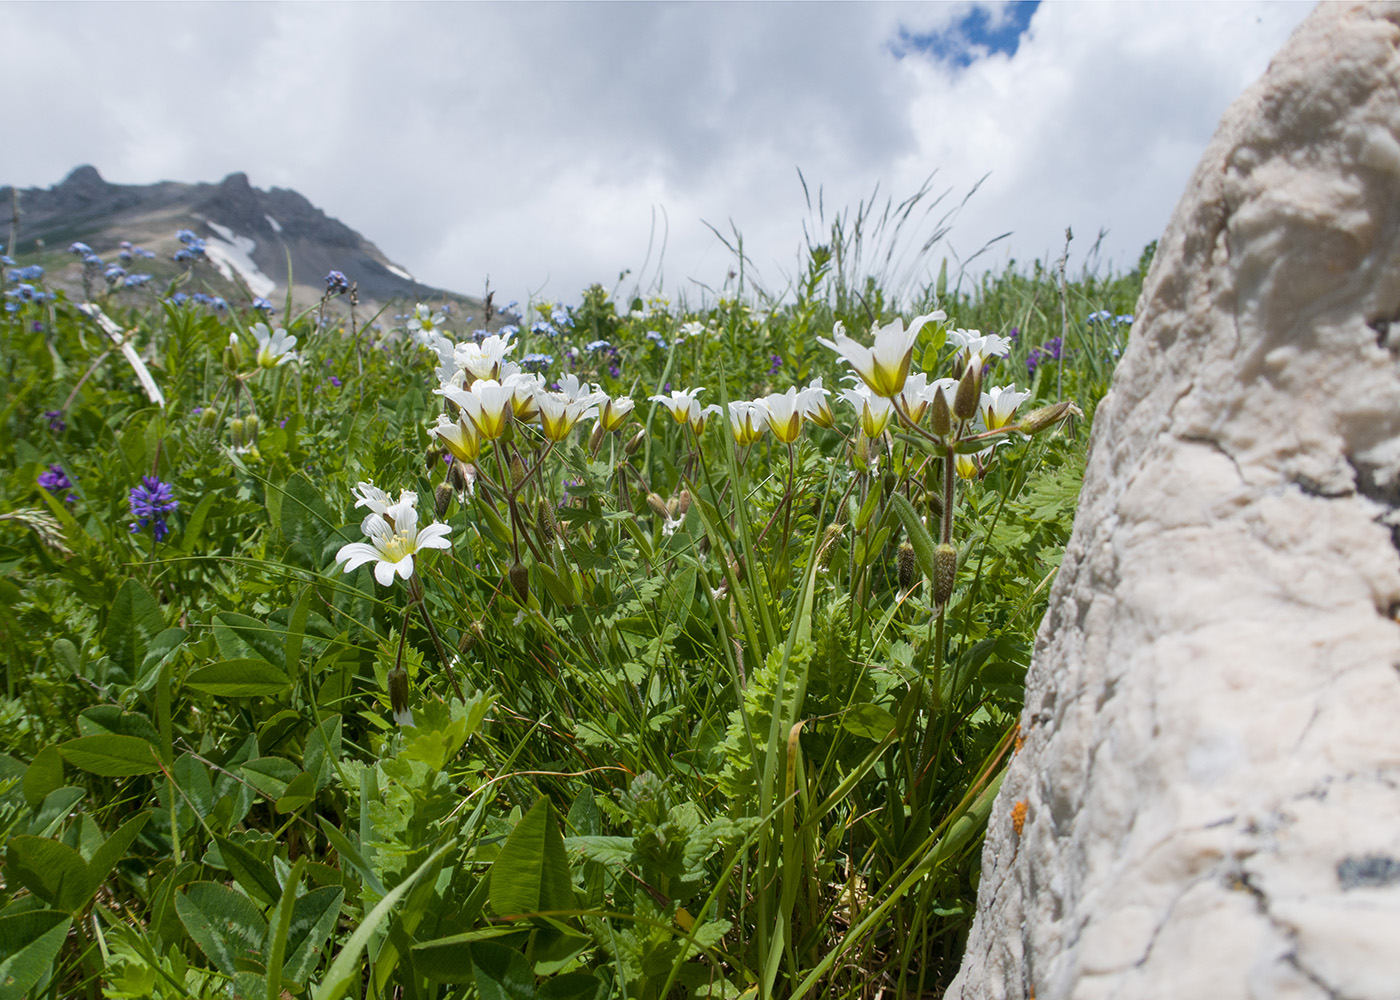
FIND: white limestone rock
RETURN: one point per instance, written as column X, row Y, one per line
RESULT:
column 1211, row 767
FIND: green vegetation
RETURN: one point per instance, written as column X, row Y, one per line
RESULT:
column 632, row 703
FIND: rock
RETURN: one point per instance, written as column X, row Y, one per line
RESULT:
column 1211, row 766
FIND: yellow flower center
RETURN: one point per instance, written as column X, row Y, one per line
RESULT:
column 397, row 547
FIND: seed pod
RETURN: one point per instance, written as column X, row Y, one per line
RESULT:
column 517, row 471
column 945, row 562
column 595, row 439
column 935, row 505
column 235, row 430
column 545, row 522
column 208, row 418
column 631, row 447
column 457, row 476
column 889, row 483
column 1048, row 416
column 250, row 428
column 672, row 506
column 398, row 696
column 906, row 566
column 942, row 418
column 969, row 394
column 469, row 636
column 442, row 497
column 520, row 580
column 682, row 503
column 431, row 457
column 655, row 502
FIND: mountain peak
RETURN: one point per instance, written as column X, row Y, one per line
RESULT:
column 84, row 177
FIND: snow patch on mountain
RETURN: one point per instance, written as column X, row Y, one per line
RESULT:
column 235, row 253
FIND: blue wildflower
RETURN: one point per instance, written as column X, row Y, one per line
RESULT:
column 79, row 249
column 263, row 304
column 536, row 362
column 186, row 236
column 656, row 339
column 594, row 346
column 150, row 502
column 31, row 273
column 543, row 329
column 135, row 280
column 337, row 283
column 179, row 298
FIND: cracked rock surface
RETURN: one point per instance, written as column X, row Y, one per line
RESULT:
column 1211, row 764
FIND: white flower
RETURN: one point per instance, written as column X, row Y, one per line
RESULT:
column 814, row 405
column 524, row 387
column 614, row 412
column 691, row 329
column 559, row 413
column 376, row 500
column 748, row 419
column 459, row 436
column 424, row 325
column 683, row 404
column 999, row 404
column 785, row 411
column 873, row 411
column 487, row 404
column 570, row 386
column 885, row 366
column 394, row 538
column 484, row 360
column 274, row 347
column 973, row 347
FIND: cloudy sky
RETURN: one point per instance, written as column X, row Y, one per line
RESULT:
column 547, row 146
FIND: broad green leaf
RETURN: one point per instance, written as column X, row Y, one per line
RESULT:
column 111, row 719
column 573, row 986
column 350, row 853
column 560, row 588
column 43, row 775
column 54, row 810
column 531, row 874
column 870, row 721
column 29, row 943
column 114, row 848
column 111, row 755
column 502, row 973
column 255, row 876
column 239, row 679
column 226, row 924
column 194, row 525
column 614, row 852
column 301, row 791
column 270, row 775
column 448, row 959
column 53, row 871
column 296, row 631
column 345, row 970
column 322, row 750
column 133, row 621
column 313, row 918
column 240, row 637
column 160, row 652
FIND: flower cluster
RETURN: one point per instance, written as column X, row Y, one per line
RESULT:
column 55, row 480
column 1108, row 319
column 337, row 283
column 1048, row 351
column 193, row 249
column 214, row 302
column 150, row 502
column 127, row 252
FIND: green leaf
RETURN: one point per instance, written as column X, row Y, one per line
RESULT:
column 919, row 538
column 194, row 525
column 111, row 719
column 114, row 848
column 53, row 871
column 160, row 652
column 29, row 943
column 301, row 791
column 313, row 919
column 870, row 721
column 573, row 986
column 56, row 807
column 249, row 871
column 132, row 623
column 531, row 874
column 270, row 775
column 345, row 970
column 240, row 637
column 448, row 959
column 226, row 924
column 322, row 750
column 305, row 519
column 351, row 854
column 43, row 775
column 111, row 755
column 239, row 679
column 502, row 973
column 561, row 589
column 277, row 931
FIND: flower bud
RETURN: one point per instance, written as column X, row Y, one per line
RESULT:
column 934, row 500
column 520, row 580
column 250, row 428
column 828, row 546
column 469, row 636
column 432, row 456
column 545, row 521
column 945, row 562
column 457, row 476
column 595, row 439
column 969, row 393
column 655, row 502
column 517, row 472
column 208, row 418
column 233, row 354
column 906, row 569
column 398, row 696
column 890, row 482
column 442, row 497
column 1048, row 416
column 942, row 418
column 235, row 430
column 632, row 446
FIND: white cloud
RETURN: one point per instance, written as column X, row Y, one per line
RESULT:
column 535, row 143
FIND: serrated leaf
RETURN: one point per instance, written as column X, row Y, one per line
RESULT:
column 531, row 874
column 246, row 678
column 111, row 755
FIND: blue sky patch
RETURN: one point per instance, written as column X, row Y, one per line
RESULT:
column 977, row 34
